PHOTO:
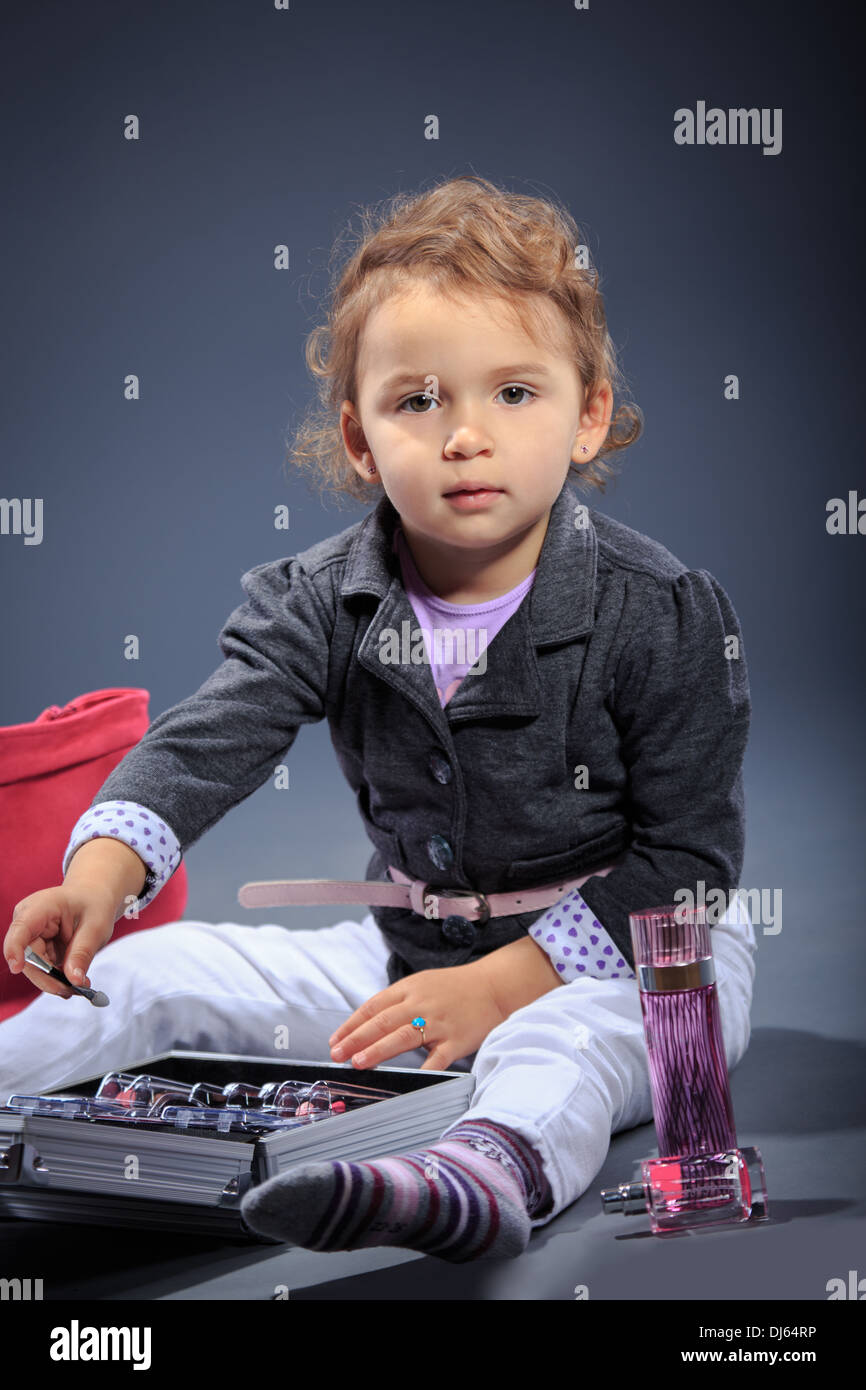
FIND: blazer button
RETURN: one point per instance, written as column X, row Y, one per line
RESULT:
column 458, row 930
column 440, row 767
column 440, row 852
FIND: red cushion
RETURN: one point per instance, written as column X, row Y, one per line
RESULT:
column 50, row 771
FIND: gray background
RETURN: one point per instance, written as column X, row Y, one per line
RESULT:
column 155, row 257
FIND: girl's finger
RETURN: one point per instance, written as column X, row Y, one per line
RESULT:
column 370, row 1054
column 439, row 1060
column 367, row 1041
column 352, row 1043
column 372, row 1031
column 366, row 1012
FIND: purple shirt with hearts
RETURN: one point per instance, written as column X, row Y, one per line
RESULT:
column 137, row 827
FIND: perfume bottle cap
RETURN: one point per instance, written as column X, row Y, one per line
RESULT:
column 628, row 1197
column 670, row 936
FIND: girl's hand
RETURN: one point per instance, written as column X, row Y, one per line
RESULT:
column 66, row 925
column 457, row 1003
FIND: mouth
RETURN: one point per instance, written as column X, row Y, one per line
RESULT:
column 472, row 488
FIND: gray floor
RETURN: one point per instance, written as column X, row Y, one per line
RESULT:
column 811, row 1135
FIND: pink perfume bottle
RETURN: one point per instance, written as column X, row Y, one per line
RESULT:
column 676, row 976
column 681, row 1194
column 701, row 1176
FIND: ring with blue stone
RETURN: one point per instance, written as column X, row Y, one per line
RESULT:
column 420, row 1023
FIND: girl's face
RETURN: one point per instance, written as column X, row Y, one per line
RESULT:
column 500, row 410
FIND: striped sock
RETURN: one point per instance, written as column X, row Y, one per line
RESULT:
column 470, row 1195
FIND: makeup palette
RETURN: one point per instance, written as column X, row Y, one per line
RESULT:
column 174, row 1142
column 124, row 1098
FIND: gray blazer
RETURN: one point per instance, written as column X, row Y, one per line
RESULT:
column 615, row 663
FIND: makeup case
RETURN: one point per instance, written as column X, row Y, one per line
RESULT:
column 99, row 1171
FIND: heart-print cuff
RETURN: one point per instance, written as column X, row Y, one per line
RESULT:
column 577, row 943
column 137, row 827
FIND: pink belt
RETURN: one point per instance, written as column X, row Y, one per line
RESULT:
column 410, row 892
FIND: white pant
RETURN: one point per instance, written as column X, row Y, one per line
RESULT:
column 228, row 988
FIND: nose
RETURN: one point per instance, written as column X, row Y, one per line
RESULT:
column 467, row 439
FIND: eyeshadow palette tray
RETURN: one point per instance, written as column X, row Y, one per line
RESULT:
column 191, row 1178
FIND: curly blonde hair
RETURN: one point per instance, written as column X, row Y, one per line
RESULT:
column 464, row 235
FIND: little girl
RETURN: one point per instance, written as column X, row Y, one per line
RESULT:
column 579, row 756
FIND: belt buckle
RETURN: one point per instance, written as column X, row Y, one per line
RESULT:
column 432, row 909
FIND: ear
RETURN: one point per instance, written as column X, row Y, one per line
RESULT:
column 354, row 441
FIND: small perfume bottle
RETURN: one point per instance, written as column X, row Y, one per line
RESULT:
column 701, row 1176
column 695, row 1191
